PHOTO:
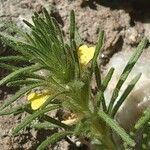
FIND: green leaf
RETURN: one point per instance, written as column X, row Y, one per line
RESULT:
column 73, row 52
column 28, row 24
column 125, row 94
column 98, row 50
column 16, row 110
column 73, row 46
column 28, row 49
column 98, row 76
column 47, row 29
column 137, row 53
column 58, row 31
column 100, row 95
column 41, row 42
column 17, row 73
column 104, row 86
column 11, row 41
column 143, row 120
column 107, row 79
column 72, row 25
column 30, row 39
column 95, row 69
column 12, row 27
column 49, row 22
column 48, row 101
column 13, row 58
column 78, row 38
column 20, row 93
column 78, row 95
column 115, row 126
column 30, row 118
column 56, row 122
column 22, row 82
column 53, row 139
column 8, row 67
column 145, row 137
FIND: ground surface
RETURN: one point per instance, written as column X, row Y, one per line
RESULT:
column 124, row 24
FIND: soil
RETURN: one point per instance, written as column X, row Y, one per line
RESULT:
column 124, row 23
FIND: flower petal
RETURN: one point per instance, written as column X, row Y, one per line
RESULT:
column 85, row 54
column 37, row 100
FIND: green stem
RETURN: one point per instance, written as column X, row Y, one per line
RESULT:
column 101, row 133
column 109, row 144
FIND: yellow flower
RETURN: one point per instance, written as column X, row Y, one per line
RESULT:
column 37, row 100
column 85, row 54
column 72, row 119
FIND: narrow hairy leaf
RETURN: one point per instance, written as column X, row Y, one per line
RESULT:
column 145, row 137
column 21, row 82
column 100, row 96
column 8, row 67
column 107, row 78
column 18, row 109
column 49, row 22
column 78, row 38
column 33, row 116
column 19, row 94
column 137, row 53
column 17, row 73
column 95, row 69
column 10, row 41
column 30, row 39
column 56, row 122
column 44, row 125
column 115, row 126
column 28, row 24
column 98, row 76
column 13, row 58
column 49, row 119
column 73, row 46
column 51, row 98
column 26, row 49
column 46, row 29
column 125, row 94
column 53, row 139
column 98, row 50
column 72, row 25
column 41, row 43
column 143, row 120
column 12, row 27
column 75, row 59
column 58, row 31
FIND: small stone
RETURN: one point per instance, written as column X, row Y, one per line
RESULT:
column 38, row 8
